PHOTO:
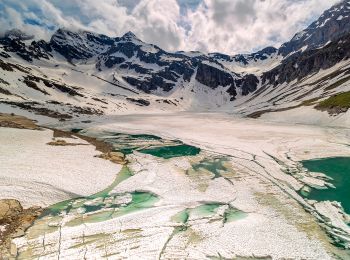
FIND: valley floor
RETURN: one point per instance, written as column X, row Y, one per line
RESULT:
column 239, row 197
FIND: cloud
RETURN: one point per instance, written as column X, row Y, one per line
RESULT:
column 158, row 23
column 38, row 17
column 226, row 12
column 228, row 26
column 245, row 25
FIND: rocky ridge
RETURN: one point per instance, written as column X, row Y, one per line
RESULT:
column 131, row 64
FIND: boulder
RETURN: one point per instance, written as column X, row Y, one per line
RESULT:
column 9, row 207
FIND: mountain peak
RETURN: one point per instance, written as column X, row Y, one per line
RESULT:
column 81, row 44
column 130, row 36
column 330, row 26
column 66, row 33
column 18, row 34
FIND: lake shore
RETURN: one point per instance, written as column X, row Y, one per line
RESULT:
column 260, row 154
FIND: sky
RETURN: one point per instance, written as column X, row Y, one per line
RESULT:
column 226, row 26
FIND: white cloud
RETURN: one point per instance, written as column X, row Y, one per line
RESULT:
column 228, row 26
column 244, row 25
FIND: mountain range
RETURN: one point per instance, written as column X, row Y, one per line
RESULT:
column 80, row 72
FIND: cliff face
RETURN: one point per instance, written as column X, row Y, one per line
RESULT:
column 213, row 77
column 305, row 63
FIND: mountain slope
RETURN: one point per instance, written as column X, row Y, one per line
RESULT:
column 84, row 72
column 332, row 25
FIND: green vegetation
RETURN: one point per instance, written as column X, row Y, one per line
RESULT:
column 341, row 101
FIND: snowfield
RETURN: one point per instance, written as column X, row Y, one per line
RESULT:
column 38, row 174
column 270, row 218
column 276, row 221
column 238, row 192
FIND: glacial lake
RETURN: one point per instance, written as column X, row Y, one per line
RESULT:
column 339, row 170
column 147, row 144
column 107, row 205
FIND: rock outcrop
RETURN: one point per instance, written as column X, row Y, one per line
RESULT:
column 305, row 63
column 14, row 220
column 213, row 77
column 115, row 157
column 131, row 64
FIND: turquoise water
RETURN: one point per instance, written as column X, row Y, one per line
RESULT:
column 68, row 205
column 209, row 210
column 147, row 144
column 102, row 205
column 106, row 205
column 139, row 201
column 206, row 210
column 339, row 170
column 233, row 214
column 76, row 130
column 126, row 143
column 168, row 152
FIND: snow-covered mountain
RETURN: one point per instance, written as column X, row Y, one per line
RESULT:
column 332, row 25
column 85, row 72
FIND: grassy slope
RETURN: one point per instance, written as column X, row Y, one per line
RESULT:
column 341, row 101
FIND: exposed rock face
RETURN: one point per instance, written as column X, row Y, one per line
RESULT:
column 264, row 54
column 115, row 157
column 14, row 220
column 333, row 24
column 213, row 77
column 60, row 142
column 155, row 69
column 128, row 61
column 149, row 84
column 303, row 64
column 35, row 50
column 79, row 45
column 10, row 124
column 248, row 84
column 14, row 121
column 139, row 101
column 9, row 208
column 161, row 70
column 245, row 59
column 18, row 34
